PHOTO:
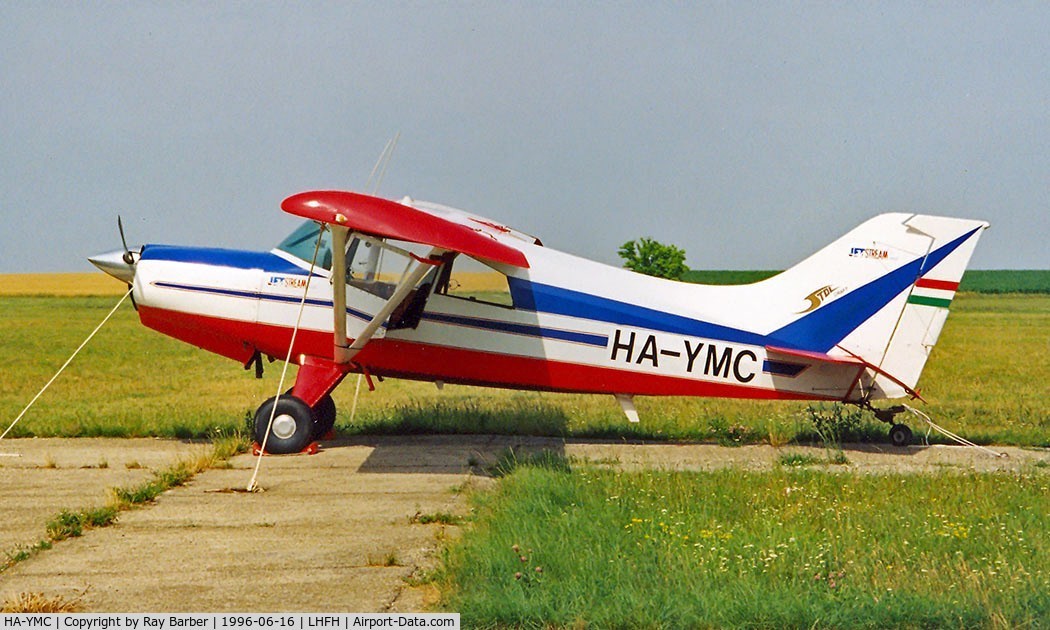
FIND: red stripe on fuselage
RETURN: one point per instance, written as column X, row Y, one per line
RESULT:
column 944, row 285
column 405, row 359
column 224, row 337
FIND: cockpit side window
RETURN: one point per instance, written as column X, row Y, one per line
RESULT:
column 464, row 278
column 302, row 242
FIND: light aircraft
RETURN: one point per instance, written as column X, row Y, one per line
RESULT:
column 854, row 322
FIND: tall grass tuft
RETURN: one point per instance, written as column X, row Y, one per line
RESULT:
column 70, row 523
column 24, row 603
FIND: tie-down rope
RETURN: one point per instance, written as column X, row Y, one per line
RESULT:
column 287, row 359
column 66, row 364
column 949, row 434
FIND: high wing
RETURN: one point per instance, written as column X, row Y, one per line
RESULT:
column 443, row 229
column 390, row 219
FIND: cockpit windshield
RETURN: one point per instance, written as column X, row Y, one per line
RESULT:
column 303, row 240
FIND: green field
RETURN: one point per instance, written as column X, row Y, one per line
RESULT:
column 779, row 549
column 986, row 380
column 795, row 547
column 974, row 280
column 1018, row 281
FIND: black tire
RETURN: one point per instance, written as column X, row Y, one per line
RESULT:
column 293, row 425
column 900, row 435
column 324, row 417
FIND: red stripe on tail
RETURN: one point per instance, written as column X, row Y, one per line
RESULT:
column 943, row 285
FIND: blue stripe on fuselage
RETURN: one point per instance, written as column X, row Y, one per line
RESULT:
column 818, row 332
column 546, row 298
column 235, row 258
column 527, row 330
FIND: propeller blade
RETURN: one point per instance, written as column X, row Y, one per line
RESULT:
column 128, row 258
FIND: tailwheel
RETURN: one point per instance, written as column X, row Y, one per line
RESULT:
column 900, row 435
column 293, row 425
column 324, row 417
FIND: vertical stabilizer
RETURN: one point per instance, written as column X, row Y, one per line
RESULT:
column 880, row 294
column 924, row 306
column 899, row 337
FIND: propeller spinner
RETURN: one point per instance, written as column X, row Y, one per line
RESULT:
column 119, row 263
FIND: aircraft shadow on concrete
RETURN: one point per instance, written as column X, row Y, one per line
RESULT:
column 459, row 437
column 450, row 454
column 493, row 455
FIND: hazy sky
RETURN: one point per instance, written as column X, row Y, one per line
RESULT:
column 749, row 134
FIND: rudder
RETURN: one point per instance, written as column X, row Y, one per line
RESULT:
column 879, row 294
column 925, row 305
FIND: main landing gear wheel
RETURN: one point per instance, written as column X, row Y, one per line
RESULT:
column 324, row 417
column 293, row 425
column 900, row 435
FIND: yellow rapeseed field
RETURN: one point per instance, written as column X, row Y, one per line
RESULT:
column 60, row 284
column 98, row 283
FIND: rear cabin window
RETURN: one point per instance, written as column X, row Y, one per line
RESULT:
column 464, row 278
column 371, row 268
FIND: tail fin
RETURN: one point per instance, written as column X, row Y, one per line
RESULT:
column 879, row 294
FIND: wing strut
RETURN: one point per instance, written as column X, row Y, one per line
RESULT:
column 339, row 238
column 414, row 272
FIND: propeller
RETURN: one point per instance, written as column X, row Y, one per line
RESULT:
column 128, row 257
column 119, row 264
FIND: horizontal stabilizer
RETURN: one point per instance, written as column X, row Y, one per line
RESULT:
column 851, row 359
column 814, row 356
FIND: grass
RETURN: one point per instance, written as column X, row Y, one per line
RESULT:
column 1006, row 281
column 442, row 518
column 792, row 547
column 786, row 548
column 511, row 459
column 700, row 276
column 984, row 381
column 974, row 280
column 70, row 524
column 798, row 459
column 162, row 481
column 128, row 382
column 23, row 603
column 24, row 553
